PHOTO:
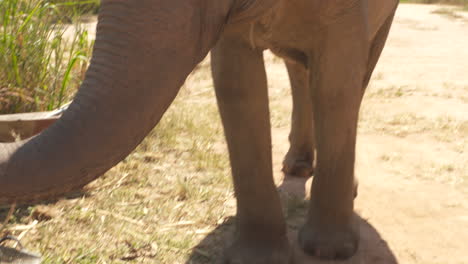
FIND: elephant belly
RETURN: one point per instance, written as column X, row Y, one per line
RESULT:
column 379, row 11
column 290, row 29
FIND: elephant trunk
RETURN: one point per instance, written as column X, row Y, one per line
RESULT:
column 143, row 52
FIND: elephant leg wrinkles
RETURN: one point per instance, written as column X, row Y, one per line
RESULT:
column 242, row 95
column 329, row 231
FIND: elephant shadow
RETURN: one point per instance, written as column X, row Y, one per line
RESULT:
column 372, row 249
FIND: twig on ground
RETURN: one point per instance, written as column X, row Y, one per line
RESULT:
column 178, row 224
column 121, row 217
column 25, row 227
column 25, row 231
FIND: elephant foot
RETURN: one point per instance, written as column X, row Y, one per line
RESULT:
column 329, row 244
column 298, row 164
column 254, row 252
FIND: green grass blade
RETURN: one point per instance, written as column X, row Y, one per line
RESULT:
column 78, row 57
column 30, row 15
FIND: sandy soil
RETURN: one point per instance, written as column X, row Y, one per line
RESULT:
column 412, row 201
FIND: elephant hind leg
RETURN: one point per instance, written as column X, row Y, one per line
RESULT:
column 300, row 157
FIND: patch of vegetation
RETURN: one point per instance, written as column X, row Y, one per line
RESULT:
column 448, row 2
column 40, row 68
column 70, row 10
column 447, row 12
column 462, row 3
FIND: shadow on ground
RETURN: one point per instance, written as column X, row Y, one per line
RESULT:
column 372, row 249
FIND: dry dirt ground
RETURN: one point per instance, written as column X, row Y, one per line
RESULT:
column 412, row 164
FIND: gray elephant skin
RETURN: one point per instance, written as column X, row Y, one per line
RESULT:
column 143, row 53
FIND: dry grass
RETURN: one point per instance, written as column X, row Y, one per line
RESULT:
column 448, row 12
column 448, row 2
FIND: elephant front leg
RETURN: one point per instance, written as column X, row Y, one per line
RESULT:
column 241, row 91
column 338, row 70
column 299, row 160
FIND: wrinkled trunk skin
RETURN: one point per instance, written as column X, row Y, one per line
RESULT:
column 144, row 50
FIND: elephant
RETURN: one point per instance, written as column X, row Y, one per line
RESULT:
column 143, row 52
